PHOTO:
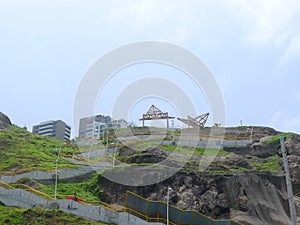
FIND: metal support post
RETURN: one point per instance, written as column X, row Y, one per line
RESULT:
column 56, row 175
column 106, row 137
column 288, row 183
column 56, row 170
column 168, row 196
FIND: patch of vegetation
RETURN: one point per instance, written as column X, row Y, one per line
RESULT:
column 169, row 148
column 139, row 127
column 276, row 139
column 85, row 190
column 139, row 146
column 109, row 140
column 211, row 152
column 16, row 216
column 177, row 131
column 98, row 159
column 273, row 165
column 244, row 127
column 20, row 149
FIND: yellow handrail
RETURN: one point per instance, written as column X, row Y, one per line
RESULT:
column 46, row 196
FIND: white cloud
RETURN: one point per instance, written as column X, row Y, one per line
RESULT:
column 262, row 21
column 167, row 20
column 267, row 20
column 272, row 23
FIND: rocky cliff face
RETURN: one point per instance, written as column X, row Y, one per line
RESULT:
column 4, row 121
column 237, row 185
column 253, row 198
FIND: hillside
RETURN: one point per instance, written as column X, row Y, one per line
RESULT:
column 20, row 150
column 17, row 216
column 245, row 182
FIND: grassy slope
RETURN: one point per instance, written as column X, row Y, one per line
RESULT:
column 272, row 164
column 83, row 189
column 16, row 216
column 20, row 149
column 276, row 139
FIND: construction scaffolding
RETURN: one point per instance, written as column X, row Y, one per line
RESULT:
column 155, row 113
column 195, row 122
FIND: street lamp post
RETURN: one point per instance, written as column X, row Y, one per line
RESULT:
column 114, row 156
column 106, row 136
column 56, row 170
column 56, row 175
column 114, row 152
column 168, row 195
column 173, row 132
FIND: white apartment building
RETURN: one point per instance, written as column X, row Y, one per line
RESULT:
column 95, row 126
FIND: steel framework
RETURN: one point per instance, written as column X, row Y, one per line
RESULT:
column 198, row 121
column 155, row 113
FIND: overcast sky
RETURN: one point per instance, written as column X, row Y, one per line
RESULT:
column 251, row 47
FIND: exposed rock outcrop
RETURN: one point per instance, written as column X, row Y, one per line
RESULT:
column 4, row 121
column 252, row 198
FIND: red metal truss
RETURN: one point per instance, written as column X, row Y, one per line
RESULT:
column 198, row 121
column 155, row 113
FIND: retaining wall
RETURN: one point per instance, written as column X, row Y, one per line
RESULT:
column 21, row 198
column 63, row 174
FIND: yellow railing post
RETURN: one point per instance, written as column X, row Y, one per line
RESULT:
column 126, row 200
column 147, row 214
column 193, row 216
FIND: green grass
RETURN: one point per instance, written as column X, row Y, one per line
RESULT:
column 140, row 146
column 17, row 216
column 20, row 149
column 85, row 189
column 275, row 139
column 273, row 165
column 244, row 127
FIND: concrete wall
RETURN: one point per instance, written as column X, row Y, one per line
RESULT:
column 21, row 198
column 63, row 174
